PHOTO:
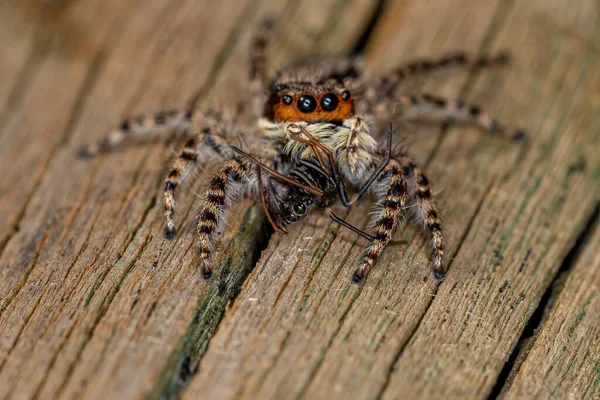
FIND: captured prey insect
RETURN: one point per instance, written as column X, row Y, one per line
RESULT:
column 312, row 130
column 311, row 182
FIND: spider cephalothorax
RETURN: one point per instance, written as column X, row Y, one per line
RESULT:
column 316, row 133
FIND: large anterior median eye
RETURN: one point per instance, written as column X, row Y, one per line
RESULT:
column 307, row 104
column 329, row 102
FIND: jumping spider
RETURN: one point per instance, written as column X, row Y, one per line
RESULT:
column 315, row 131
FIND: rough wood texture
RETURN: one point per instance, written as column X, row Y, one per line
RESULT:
column 94, row 303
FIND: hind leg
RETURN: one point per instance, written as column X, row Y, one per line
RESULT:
column 146, row 126
column 435, row 108
column 392, row 80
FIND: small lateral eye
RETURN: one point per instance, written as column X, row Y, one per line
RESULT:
column 329, row 102
column 287, row 99
column 307, row 104
column 345, row 95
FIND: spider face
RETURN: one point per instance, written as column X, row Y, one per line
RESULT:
column 297, row 205
column 286, row 203
column 319, row 102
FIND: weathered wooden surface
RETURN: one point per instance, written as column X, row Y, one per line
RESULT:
column 94, row 304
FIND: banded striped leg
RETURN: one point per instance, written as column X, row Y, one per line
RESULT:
column 427, row 212
column 422, row 67
column 438, row 109
column 213, row 210
column 395, row 186
column 182, row 166
column 258, row 54
column 143, row 125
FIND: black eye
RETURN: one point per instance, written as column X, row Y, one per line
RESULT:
column 307, row 104
column 346, row 95
column 329, row 102
column 299, row 209
column 287, row 100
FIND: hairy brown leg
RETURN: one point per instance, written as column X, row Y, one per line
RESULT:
column 435, row 108
column 212, row 213
column 392, row 204
column 185, row 161
column 145, row 126
column 393, row 79
column 258, row 54
column 427, row 212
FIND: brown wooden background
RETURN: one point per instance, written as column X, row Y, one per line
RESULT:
column 94, row 304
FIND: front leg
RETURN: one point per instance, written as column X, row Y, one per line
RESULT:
column 395, row 185
column 218, row 195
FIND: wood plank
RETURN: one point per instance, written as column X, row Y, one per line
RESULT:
column 562, row 360
column 94, row 303
column 299, row 326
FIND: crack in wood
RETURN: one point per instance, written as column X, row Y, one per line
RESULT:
column 184, row 360
column 519, row 353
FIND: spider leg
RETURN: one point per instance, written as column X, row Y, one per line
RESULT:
column 181, row 167
column 213, row 210
column 393, row 201
column 427, row 212
column 354, row 229
column 263, row 202
column 436, row 108
column 392, row 80
column 258, row 54
column 144, row 126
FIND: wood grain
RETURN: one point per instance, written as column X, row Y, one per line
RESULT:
column 95, row 304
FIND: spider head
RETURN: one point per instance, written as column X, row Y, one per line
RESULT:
column 286, row 203
column 319, row 102
column 299, row 203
